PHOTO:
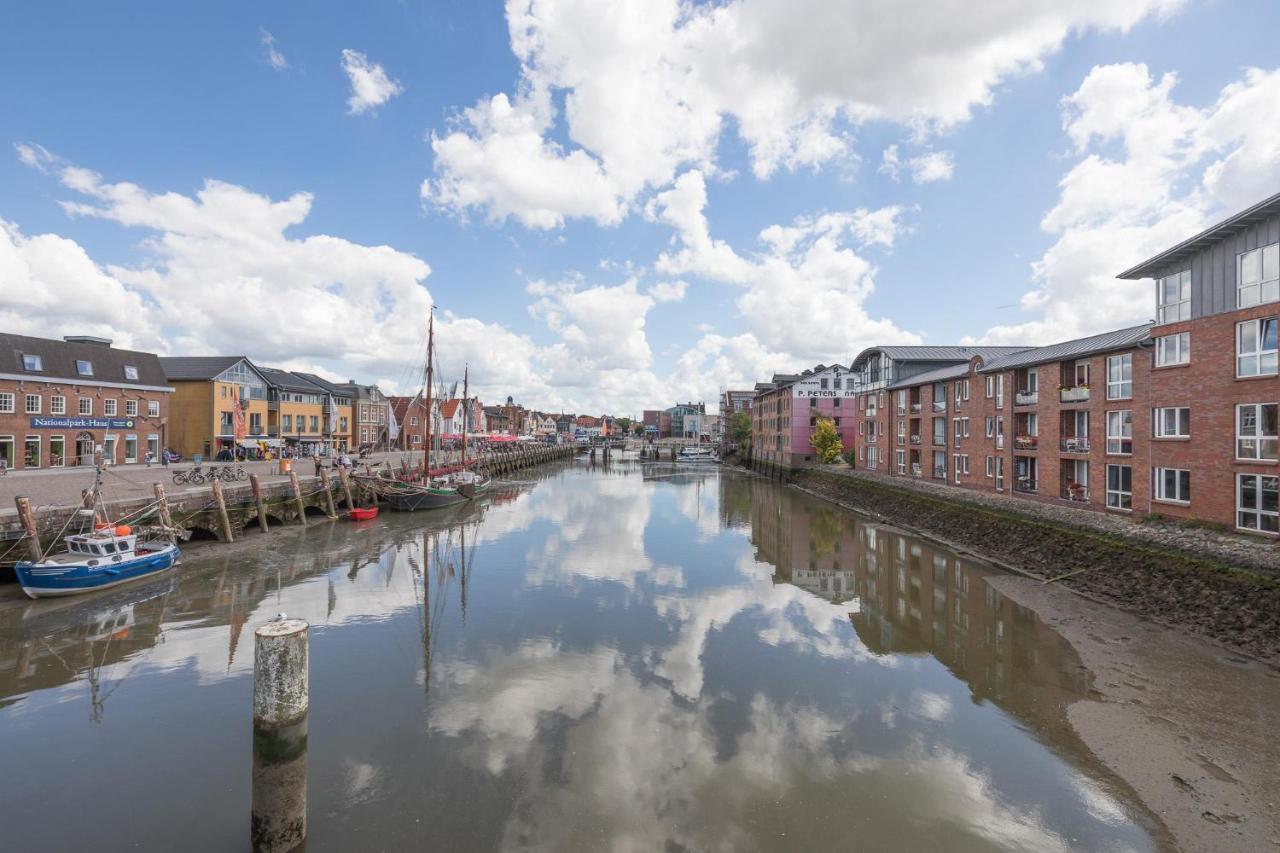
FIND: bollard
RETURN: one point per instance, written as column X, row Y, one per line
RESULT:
column 166, row 517
column 281, row 699
column 345, row 478
column 29, row 526
column 297, row 497
column 258, row 502
column 328, row 493
column 224, row 520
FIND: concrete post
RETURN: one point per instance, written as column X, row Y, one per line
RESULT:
column 281, row 699
column 224, row 520
column 297, row 497
column 328, row 492
column 166, row 517
column 256, row 485
column 28, row 520
column 345, row 478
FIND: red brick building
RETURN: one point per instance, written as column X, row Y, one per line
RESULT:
column 60, row 401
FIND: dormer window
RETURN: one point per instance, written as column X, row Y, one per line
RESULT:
column 32, row 362
column 131, row 373
column 1259, row 279
column 84, row 368
column 1173, row 297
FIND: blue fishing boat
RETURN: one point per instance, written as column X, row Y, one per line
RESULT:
column 97, row 560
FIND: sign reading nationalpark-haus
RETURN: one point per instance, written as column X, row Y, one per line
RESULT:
column 82, row 423
column 833, row 382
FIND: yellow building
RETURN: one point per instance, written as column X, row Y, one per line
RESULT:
column 338, row 422
column 202, row 411
column 296, row 412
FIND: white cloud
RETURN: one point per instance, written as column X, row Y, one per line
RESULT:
column 925, row 168
column 1179, row 167
column 649, row 86
column 370, row 85
column 274, row 57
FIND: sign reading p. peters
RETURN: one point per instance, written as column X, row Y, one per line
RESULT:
column 829, row 383
column 82, row 423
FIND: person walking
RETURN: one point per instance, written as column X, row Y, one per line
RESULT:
column 315, row 457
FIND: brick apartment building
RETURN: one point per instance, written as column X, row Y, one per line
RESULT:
column 60, row 401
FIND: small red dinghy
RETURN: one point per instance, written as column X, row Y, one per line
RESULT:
column 362, row 513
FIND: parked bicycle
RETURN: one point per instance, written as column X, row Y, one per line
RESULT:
column 191, row 476
column 231, row 475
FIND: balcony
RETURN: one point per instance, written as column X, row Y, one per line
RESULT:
column 1026, row 442
column 1025, row 485
column 1075, row 493
column 1026, row 398
column 940, row 472
column 939, row 405
column 1075, row 444
column 1074, row 394
column 915, row 438
column 915, row 408
column 939, row 441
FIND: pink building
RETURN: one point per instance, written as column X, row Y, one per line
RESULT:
column 785, row 412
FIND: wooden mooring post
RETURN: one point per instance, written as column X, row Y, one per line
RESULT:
column 259, row 504
column 166, row 517
column 281, row 702
column 28, row 519
column 345, row 479
column 328, row 493
column 224, row 520
column 297, row 497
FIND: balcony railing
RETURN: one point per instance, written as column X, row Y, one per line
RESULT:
column 999, row 442
column 1026, row 398
column 939, row 441
column 940, row 473
column 939, row 405
column 915, row 407
column 1025, row 484
column 1075, row 445
column 1074, row 394
column 1075, row 492
column 1026, row 442
column 915, row 439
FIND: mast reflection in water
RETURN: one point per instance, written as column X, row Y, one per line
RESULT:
column 625, row 657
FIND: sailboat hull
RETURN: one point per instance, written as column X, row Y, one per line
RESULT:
column 413, row 501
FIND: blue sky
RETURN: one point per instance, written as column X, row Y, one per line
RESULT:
column 592, row 238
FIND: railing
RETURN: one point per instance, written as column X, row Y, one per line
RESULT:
column 915, row 438
column 1026, row 398
column 999, row 442
column 1075, row 394
column 1024, row 484
column 1075, row 445
column 1026, row 442
column 1075, row 493
column 939, row 405
column 940, row 473
column 915, row 407
column 939, row 441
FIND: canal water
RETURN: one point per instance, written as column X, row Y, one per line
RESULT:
column 630, row 658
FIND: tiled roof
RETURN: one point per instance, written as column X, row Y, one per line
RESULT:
column 1105, row 342
column 58, row 360
column 449, row 407
column 1212, row 234
column 197, row 366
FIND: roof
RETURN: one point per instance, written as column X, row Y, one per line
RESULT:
column 287, row 381
column 938, row 374
column 198, row 366
column 339, row 389
column 58, row 361
column 449, row 407
column 1212, row 234
column 938, row 353
column 1105, row 342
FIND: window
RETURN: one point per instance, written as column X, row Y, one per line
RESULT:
column 286, row 423
column 901, row 400
column 813, row 402
column 31, row 452
column 1173, row 349
column 33, row 404
column 966, row 389
column 413, row 421
column 57, row 405
column 957, row 467
column 131, row 408
column 1256, row 347
column 1256, row 429
column 999, row 473
column 1259, row 279
column 1119, row 487
column 1120, row 377
column 109, row 408
column 315, row 423
column 84, row 368
column 1257, row 500
column 822, row 383
column 6, row 403
column 32, row 362
column 955, row 431
column 871, row 406
column 991, row 387
column 1171, row 484
column 964, row 426
column 86, row 405
column 991, row 426
column 900, row 460
column 991, row 466
column 1173, row 297
column 1120, row 432
column 1171, row 422
column 153, row 408
column 131, row 373
column 1033, row 382
column 57, row 451
column 130, row 448
column 1000, row 391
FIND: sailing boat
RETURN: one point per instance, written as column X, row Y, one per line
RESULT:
column 469, row 483
column 107, row 556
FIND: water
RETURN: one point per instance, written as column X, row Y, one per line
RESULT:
column 694, row 661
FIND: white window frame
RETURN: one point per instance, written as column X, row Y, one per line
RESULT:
column 955, row 432
column 991, row 387
column 62, row 457
column 131, row 373
column 1264, row 360
column 153, row 408
column 1265, row 287
column 84, row 367
column 901, row 460
column 110, row 407
column 1173, row 310
column 37, row 363
column 999, row 473
column 966, row 389
column 1000, row 391
column 1181, row 491
column 991, row 466
column 1116, row 498
column 957, row 468
column 84, row 406
column 1171, row 422
column 32, row 404
column 1121, row 388
column 57, row 405
column 130, row 408
column 1261, row 482
column 1259, row 439
column 1125, row 433
column 1173, row 349
column 991, row 426
column 8, row 402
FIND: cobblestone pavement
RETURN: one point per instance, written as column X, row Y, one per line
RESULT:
column 1235, row 549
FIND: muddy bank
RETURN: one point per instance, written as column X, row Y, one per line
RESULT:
column 1190, row 729
column 1202, row 596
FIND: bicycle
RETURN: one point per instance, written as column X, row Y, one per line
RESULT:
column 191, row 476
column 230, row 475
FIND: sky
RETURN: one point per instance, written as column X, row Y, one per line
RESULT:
column 614, row 205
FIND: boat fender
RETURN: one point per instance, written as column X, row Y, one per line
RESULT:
column 113, row 571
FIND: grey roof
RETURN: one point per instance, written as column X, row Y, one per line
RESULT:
column 1105, row 342
column 58, row 361
column 938, row 353
column 938, row 374
column 287, row 381
column 337, row 389
column 1212, row 234
column 198, row 366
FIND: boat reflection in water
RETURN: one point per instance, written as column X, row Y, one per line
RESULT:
column 627, row 656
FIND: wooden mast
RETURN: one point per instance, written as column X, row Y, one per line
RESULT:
column 426, row 450
column 466, row 412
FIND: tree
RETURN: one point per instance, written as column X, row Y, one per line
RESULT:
column 740, row 427
column 624, row 425
column 826, row 441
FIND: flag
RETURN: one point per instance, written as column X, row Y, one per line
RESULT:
column 239, row 419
